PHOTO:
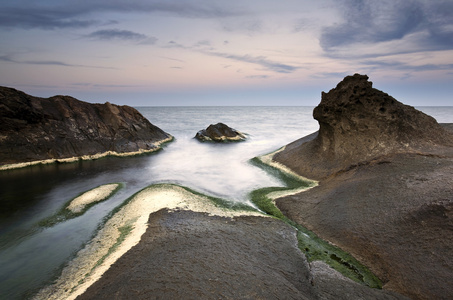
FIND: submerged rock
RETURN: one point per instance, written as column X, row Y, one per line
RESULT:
column 34, row 129
column 219, row 133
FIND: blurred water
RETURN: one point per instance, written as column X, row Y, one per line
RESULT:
column 30, row 256
column 222, row 169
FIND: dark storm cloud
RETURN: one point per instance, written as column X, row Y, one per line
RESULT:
column 77, row 14
column 369, row 22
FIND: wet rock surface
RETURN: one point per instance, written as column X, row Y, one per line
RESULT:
column 188, row 255
column 219, row 133
column 33, row 128
column 388, row 203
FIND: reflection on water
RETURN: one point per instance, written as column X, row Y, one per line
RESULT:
column 31, row 256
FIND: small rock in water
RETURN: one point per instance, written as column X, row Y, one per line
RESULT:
column 219, row 133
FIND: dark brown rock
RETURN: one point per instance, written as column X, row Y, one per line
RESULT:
column 190, row 255
column 33, row 128
column 219, row 133
column 385, row 190
column 395, row 215
column 358, row 123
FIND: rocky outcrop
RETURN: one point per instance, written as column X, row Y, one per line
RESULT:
column 34, row 129
column 200, row 256
column 384, row 195
column 219, row 133
column 358, row 123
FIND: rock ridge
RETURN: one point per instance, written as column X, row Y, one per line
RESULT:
column 33, row 128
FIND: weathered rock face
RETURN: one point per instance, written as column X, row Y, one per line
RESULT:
column 358, row 123
column 384, row 195
column 219, row 133
column 33, row 128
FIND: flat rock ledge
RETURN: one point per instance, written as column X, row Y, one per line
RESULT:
column 220, row 133
column 179, row 245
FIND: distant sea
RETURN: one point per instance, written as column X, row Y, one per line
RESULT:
column 32, row 256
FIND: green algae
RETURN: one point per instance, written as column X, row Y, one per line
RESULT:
column 309, row 243
column 219, row 202
column 65, row 214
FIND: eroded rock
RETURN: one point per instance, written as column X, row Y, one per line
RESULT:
column 358, row 123
column 33, row 129
column 384, row 195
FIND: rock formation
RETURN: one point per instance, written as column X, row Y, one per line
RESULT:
column 385, row 190
column 33, row 129
column 358, row 123
column 219, row 133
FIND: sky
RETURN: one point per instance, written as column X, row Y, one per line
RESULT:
column 210, row 52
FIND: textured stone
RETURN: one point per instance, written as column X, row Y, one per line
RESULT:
column 219, row 133
column 33, row 128
column 358, row 123
column 384, row 195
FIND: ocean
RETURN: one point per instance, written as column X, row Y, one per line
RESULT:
column 31, row 255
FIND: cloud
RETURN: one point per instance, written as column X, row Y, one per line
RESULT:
column 407, row 67
column 258, row 77
column 330, row 75
column 89, row 84
column 203, row 43
column 32, row 16
column 125, row 35
column 54, row 14
column 9, row 58
column 258, row 60
column 262, row 61
column 173, row 59
column 374, row 22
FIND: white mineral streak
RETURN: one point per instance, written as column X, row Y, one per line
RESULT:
column 95, row 195
column 85, row 269
column 84, row 157
column 267, row 159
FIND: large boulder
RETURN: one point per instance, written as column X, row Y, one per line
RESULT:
column 358, row 123
column 219, row 133
column 33, row 129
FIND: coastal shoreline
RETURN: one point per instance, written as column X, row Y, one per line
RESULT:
column 129, row 227
column 123, row 231
column 158, row 146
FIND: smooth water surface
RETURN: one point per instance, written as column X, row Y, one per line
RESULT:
column 31, row 256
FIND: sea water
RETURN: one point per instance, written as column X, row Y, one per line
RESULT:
column 32, row 255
